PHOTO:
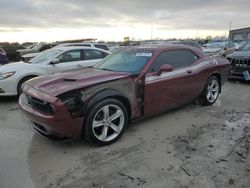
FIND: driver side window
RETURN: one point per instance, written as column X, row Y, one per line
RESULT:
column 176, row 58
column 74, row 55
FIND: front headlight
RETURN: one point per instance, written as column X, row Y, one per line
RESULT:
column 6, row 75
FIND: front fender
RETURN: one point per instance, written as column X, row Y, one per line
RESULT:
column 106, row 93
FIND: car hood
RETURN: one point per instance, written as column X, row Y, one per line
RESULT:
column 57, row 84
column 240, row 54
column 15, row 66
column 31, row 55
column 211, row 50
column 24, row 50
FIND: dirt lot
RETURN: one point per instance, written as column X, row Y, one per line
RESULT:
column 192, row 146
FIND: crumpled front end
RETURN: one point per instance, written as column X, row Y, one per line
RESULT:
column 49, row 116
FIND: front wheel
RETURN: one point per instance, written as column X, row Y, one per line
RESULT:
column 106, row 122
column 211, row 91
column 20, row 84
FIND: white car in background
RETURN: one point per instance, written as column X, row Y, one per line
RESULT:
column 29, row 56
column 61, row 59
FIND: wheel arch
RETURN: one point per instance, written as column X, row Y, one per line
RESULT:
column 110, row 93
column 28, row 76
column 217, row 75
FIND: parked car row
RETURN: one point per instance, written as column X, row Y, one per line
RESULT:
column 34, row 50
column 11, row 51
column 31, row 51
column 98, row 102
column 29, row 56
column 39, row 47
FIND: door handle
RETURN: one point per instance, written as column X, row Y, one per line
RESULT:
column 189, row 71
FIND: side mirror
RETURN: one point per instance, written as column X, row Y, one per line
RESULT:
column 54, row 61
column 166, row 68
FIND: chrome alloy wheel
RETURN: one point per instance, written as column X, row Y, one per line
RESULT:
column 108, row 123
column 212, row 90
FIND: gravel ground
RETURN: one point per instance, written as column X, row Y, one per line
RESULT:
column 192, row 146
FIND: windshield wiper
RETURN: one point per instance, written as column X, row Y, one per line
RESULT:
column 103, row 69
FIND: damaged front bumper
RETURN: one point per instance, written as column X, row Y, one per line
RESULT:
column 52, row 121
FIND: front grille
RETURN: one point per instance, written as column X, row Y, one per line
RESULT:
column 240, row 62
column 40, row 105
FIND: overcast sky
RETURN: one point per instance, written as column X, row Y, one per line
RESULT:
column 27, row 20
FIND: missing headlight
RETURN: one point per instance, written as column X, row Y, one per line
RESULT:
column 74, row 105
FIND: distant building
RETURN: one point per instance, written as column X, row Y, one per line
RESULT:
column 240, row 34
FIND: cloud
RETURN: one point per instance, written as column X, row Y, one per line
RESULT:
column 174, row 14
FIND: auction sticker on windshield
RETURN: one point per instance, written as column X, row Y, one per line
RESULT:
column 143, row 54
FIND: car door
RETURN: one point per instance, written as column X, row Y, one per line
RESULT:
column 170, row 89
column 68, row 60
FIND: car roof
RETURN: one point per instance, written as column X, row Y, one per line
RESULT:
column 81, row 43
column 78, row 47
column 216, row 43
column 160, row 48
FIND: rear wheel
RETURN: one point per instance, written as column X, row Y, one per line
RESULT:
column 106, row 122
column 211, row 91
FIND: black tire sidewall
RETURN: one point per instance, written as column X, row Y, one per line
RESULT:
column 87, row 129
column 204, row 100
column 21, row 82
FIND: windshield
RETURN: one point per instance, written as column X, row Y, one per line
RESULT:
column 36, row 47
column 215, row 45
column 245, row 47
column 45, row 56
column 131, row 61
column 31, row 46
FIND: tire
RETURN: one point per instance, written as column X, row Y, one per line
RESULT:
column 211, row 91
column 99, row 128
column 21, row 82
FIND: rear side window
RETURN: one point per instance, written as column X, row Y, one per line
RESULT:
column 101, row 46
column 176, row 58
column 93, row 54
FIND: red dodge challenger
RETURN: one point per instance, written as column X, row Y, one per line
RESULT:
column 99, row 102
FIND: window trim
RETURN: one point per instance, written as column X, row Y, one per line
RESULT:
column 198, row 58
